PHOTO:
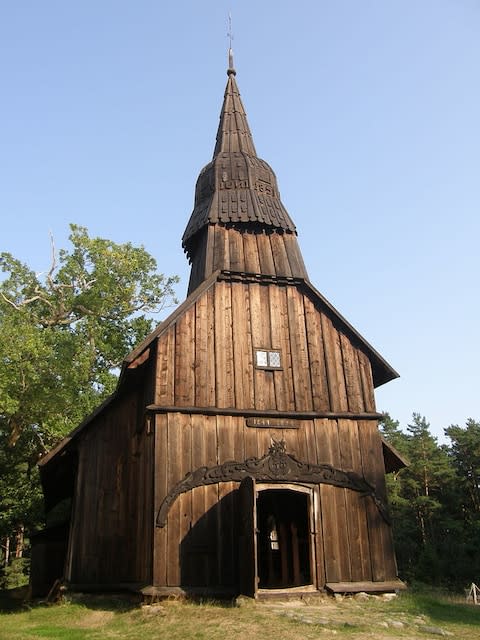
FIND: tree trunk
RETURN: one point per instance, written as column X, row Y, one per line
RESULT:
column 6, row 547
column 19, row 541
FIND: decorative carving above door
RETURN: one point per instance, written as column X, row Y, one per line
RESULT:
column 275, row 466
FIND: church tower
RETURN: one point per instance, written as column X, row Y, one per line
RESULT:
column 239, row 222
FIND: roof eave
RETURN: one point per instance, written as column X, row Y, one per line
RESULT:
column 382, row 371
column 130, row 358
column 394, row 460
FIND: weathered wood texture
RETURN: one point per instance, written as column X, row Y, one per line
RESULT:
column 198, row 545
column 205, row 357
column 112, row 532
column 249, row 249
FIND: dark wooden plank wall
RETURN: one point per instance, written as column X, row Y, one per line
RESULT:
column 198, row 546
column 206, row 357
column 113, row 506
column 276, row 254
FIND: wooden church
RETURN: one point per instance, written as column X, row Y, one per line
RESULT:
column 240, row 453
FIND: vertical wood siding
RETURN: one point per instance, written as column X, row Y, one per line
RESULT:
column 198, row 546
column 113, row 515
column 249, row 250
column 205, row 358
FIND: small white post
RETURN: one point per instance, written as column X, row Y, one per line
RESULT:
column 474, row 594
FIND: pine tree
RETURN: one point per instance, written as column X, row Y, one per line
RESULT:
column 422, row 498
column 465, row 457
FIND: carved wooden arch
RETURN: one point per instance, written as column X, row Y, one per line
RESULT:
column 276, row 466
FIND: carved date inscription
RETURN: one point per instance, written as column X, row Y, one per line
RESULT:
column 262, row 187
column 259, row 186
column 234, row 184
column 274, row 423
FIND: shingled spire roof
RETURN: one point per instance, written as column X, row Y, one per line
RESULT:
column 233, row 131
column 236, row 187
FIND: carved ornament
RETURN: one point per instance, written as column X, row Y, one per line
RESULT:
column 276, row 466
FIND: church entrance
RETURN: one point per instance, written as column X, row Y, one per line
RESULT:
column 276, row 537
column 283, row 538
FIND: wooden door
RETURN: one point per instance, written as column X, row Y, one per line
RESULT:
column 247, row 561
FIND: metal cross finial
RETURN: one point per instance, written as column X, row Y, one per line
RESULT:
column 230, row 32
column 231, row 68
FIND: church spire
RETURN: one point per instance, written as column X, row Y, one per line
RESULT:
column 233, row 131
column 237, row 194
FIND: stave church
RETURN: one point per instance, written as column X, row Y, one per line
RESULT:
column 240, row 452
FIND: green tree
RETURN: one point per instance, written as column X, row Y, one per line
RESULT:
column 423, row 502
column 63, row 335
column 394, row 435
column 403, row 516
column 428, row 473
column 465, row 457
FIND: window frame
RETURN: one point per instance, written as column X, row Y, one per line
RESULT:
column 268, row 352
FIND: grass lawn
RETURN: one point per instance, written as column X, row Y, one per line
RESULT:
column 411, row 616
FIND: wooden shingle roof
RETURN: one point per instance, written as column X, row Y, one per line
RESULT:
column 236, row 186
column 233, row 131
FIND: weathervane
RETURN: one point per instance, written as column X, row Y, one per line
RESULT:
column 231, row 68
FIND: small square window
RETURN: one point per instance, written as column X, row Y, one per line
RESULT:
column 274, row 359
column 261, row 358
column 268, row 359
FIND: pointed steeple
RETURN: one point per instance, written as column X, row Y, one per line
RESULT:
column 236, row 192
column 233, row 131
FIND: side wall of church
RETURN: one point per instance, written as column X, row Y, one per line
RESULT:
column 111, row 532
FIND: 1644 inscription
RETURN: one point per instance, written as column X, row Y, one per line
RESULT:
column 276, row 423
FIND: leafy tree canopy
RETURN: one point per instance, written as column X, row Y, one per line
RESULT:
column 63, row 335
column 64, row 332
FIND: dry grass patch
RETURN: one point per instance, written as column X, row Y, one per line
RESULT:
column 410, row 617
column 94, row 620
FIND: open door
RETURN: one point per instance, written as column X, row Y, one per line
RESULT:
column 248, row 538
column 284, row 540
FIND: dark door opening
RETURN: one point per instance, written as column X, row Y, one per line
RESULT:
column 283, row 539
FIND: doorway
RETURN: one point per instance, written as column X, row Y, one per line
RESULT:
column 283, row 538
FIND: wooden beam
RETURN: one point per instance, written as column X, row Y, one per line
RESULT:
column 367, row 587
column 267, row 413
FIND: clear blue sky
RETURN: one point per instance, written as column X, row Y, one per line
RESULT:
column 368, row 112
